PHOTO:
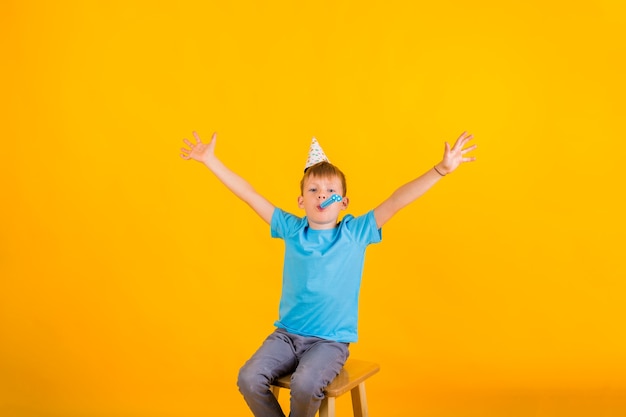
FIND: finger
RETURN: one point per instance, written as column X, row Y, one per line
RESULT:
column 464, row 141
column 446, row 149
column 458, row 141
column 466, row 150
column 197, row 136
column 187, row 157
column 469, row 159
column 185, row 151
column 214, row 136
column 464, row 137
column 191, row 145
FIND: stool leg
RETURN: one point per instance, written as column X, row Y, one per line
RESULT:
column 327, row 409
column 359, row 401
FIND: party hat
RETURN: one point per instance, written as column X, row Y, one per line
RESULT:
column 316, row 154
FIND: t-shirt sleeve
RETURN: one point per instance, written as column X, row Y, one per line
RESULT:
column 284, row 224
column 363, row 228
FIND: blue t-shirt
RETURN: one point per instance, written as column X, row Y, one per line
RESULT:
column 322, row 274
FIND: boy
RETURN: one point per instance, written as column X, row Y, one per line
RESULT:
column 321, row 276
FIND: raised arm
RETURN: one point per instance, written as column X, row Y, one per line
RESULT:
column 205, row 153
column 406, row 194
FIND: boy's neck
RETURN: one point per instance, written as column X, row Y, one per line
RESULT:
column 323, row 226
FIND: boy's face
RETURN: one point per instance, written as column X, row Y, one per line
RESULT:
column 315, row 191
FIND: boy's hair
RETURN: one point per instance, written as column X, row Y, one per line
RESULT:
column 324, row 169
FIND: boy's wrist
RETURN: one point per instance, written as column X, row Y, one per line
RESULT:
column 210, row 161
column 440, row 170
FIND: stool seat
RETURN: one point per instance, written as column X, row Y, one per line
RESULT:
column 351, row 378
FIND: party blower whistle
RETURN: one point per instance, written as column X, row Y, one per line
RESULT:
column 335, row 198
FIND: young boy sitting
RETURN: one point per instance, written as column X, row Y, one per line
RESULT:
column 321, row 276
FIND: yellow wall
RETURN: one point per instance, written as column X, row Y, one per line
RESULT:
column 133, row 284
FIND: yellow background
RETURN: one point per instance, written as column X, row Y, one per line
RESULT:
column 132, row 283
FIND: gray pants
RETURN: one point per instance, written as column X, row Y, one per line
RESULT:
column 314, row 362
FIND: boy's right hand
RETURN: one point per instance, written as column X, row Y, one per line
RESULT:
column 199, row 151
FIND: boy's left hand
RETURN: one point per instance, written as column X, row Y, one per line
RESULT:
column 453, row 157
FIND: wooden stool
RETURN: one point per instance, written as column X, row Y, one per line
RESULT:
column 351, row 378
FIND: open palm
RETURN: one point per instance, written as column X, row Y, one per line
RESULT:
column 199, row 151
column 455, row 156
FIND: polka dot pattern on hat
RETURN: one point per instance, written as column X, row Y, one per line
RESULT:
column 316, row 154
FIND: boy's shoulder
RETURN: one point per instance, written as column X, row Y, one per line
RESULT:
column 284, row 223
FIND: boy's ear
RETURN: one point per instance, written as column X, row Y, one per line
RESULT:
column 344, row 203
column 300, row 202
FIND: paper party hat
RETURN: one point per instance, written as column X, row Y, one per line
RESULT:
column 316, row 154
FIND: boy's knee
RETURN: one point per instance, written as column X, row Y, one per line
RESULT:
column 306, row 387
column 250, row 381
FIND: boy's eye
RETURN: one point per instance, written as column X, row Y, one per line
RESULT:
column 331, row 190
column 312, row 189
